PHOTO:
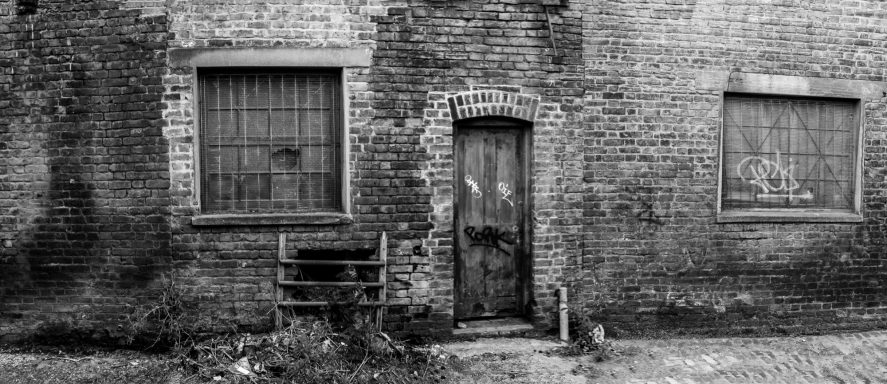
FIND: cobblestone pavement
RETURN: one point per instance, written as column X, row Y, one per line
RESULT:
column 841, row 358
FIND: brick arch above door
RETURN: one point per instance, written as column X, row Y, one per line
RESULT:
column 483, row 103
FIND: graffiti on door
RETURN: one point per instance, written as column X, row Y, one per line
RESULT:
column 503, row 189
column 475, row 190
column 489, row 237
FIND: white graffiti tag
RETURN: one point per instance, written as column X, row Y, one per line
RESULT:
column 475, row 191
column 770, row 176
column 503, row 189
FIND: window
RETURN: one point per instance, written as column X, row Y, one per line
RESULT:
column 270, row 141
column 789, row 153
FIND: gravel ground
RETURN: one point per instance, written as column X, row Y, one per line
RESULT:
column 841, row 358
column 859, row 357
column 57, row 367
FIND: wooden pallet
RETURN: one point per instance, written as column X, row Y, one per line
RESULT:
column 282, row 283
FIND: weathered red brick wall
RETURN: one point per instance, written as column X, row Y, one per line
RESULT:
column 401, row 143
column 432, row 50
column 84, row 174
column 230, row 271
column 652, row 149
column 99, row 187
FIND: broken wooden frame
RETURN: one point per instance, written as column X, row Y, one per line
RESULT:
column 283, row 262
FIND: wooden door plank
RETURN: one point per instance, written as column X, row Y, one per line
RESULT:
column 489, row 233
column 506, row 146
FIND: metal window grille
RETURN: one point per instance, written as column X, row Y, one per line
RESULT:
column 789, row 153
column 270, row 141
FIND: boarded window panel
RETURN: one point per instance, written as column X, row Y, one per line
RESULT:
column 314, row 123
column 788, row 153
column 221, row 123
column 219, row 91
column 286, row 188
column 255, row 187
column 255, row 123
column 221, row 159
column 284, row 123
column 315, row 92
column 223, row 188
column 283, row 92
column 256, row 92
column 268, row 141
column 256, row 159
column 316, row 159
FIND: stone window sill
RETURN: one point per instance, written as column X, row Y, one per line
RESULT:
column 788, row 216
column 272, row 219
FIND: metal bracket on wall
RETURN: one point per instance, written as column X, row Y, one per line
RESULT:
column 550, row 30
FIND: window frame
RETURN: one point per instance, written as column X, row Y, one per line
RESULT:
column 792, row 87
column 204, row 60
column 336, row 133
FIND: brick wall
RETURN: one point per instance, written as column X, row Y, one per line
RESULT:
column 230, row 271
column 431, row 51
column 100, row 184
column 401, row 143
column 84, row 186
column 652, row 152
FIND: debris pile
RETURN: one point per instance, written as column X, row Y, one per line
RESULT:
column 588, row 338
column 315, row 353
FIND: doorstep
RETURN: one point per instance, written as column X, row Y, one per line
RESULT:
column 510, row 326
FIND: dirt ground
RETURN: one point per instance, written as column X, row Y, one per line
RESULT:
column 57, row 367
column 842, row 358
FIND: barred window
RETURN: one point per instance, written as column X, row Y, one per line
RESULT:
column 788, row 153
column 270, row 141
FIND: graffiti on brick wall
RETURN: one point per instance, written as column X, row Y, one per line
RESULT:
column 490, row 237
column 648, row 214
column 650, row 207
column 475, row 190
column 772, row 176
column 503, row 189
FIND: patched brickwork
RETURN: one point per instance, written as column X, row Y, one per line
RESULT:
column 84, row 164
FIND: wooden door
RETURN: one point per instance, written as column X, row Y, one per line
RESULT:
column 490, row 210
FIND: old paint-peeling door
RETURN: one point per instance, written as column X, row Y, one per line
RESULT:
column 490, row 210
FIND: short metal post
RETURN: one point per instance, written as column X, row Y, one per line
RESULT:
column 564, row 315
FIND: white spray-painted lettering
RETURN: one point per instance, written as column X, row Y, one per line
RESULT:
column 475, row 191
column 805, row 196
column 765, row 172
column 503, row 189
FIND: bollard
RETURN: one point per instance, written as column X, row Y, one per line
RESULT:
column 564, row 316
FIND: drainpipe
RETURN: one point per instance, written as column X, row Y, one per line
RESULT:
column 564, row 316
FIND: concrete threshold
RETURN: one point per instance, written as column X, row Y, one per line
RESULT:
column 510, row 326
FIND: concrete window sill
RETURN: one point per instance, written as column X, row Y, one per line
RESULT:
column 788, row 216
column 272, row 219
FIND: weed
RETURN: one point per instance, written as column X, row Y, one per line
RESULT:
column 163, row 323
column 587, row 338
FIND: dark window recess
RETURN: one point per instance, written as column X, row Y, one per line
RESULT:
column 344, row 273
column 270, row 142
column 784, row 153
column 26, row 7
